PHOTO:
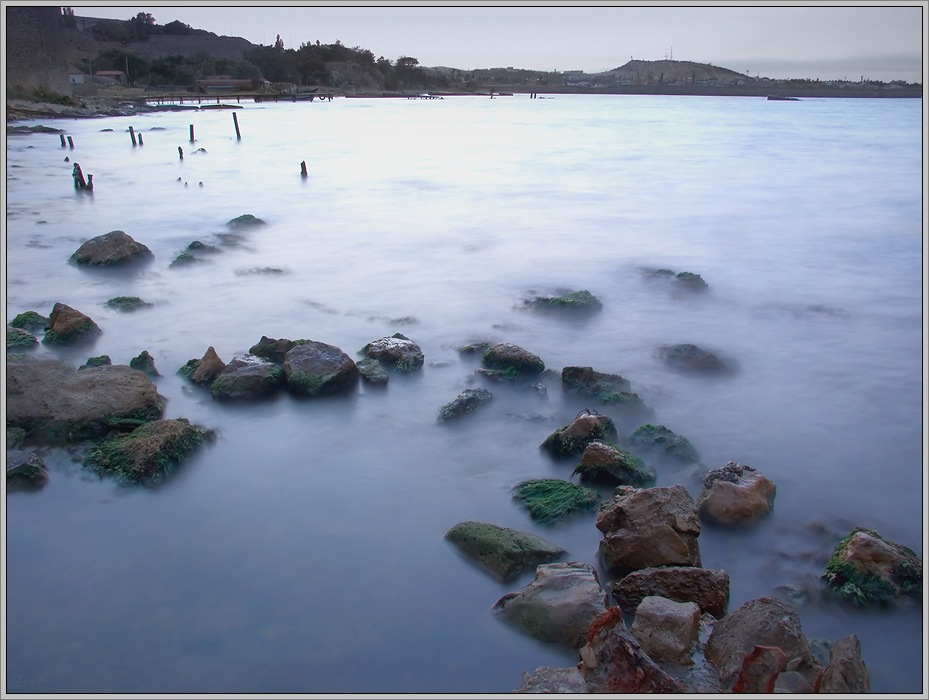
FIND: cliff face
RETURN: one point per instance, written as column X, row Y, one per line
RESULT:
column 35, row 49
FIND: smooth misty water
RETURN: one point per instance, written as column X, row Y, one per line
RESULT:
column 304, row 550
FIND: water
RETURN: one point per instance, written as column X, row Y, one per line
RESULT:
column 304, row 551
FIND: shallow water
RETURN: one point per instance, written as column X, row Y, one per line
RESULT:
column 304, row 550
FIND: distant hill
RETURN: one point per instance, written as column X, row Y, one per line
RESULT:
column 637, row 72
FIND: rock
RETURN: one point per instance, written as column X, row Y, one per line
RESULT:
column 52, row 401
column 612, row 661
column 690, row 281
column 247, row 377
column 585, row 380
column 149, row 452
column 203, row 247
column 792, row 682
column 552, row 680
column 666, row 629
column 760, row 622
column 760, row 669
column 273, row 349
column 25, row 471
column 98, row 361
column 204, row 370
column 506, row 355
column 113, row 248
column 396, row 351
column 502, row 551
column 318, row 369
column 466, row 402
column 708, row 588
column 373, row 371
column 649, row 527
column 186, row 259
column 689, row 357
column 846, row 672
column 127, row 304
column 15, row 437
column 30, row 321
column 866, row 569
column 551, row 500
column 144, row 362
column 67, row 325
column 663, row 442
column 735, row 495
column 566, row 300
column 245, row 221
column 558, row 606
column 574, row 438
column 611, row 465
column 19, row 338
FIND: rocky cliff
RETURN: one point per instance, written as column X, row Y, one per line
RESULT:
column 35, row 50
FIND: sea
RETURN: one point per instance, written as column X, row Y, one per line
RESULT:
column 304, row 550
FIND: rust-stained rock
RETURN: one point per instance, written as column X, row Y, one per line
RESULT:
column 708, row 588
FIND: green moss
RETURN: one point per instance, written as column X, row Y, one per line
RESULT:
column 511, row 373
column 306, row 384
column 244, row 221
column 550, row 500
column 189, row 367
column 184, row 259
column 19, row 338
column 85, row 329
column 134, row 418
column 98, row 361
column 865, row 589
column 127, row 303
column 30, row 321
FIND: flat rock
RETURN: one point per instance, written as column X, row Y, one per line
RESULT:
column 502, row 551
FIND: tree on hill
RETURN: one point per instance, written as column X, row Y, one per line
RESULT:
column 141, row 26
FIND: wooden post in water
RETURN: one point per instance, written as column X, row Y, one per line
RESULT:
column 70, row 143
column 235, row 120
column 191, row 133
column 90, row 181
column 140, row 139
column 180, row 152
column 132, row 135
column 303, row 172
column 62, row 140
column 78, row 175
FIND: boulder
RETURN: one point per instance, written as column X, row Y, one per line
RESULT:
column 735, row 495
column 587, row 381
column 397, row 352
column 144, row 362
column 98, row 361
column 663, row 442
column 245, row 221
column 247, row 377
column 649, row 527
column 708, row 588
column 372, row 371
column 30, row 321
column 507, row 355
column 866, row 569
column 690, row 281
column 19, row 338
column 760, row 670
column 689, row 357
column 612, row 660
column 792, row 682
column 113, row 248
column 25, row 471
column 204, row 370
column 149, row 452
column 15, row 437
column 573, row 439
column 502, row 551
column 550, row 500
column 67, row 325
column 553, row 680
column 760, row 622
column 273, row 349
column 558, row 605
column 318, row 369
column 466, row 402
column 566, row 300
column 666, row 629
column 611, row 465
column 846, row 672
column 127, row 304
column 52, row 401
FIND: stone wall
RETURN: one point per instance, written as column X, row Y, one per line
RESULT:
column 35, row 51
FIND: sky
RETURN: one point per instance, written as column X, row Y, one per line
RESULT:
column 828, row 41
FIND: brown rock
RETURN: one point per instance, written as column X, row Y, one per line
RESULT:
column 585, row 429
column 736, row 495
column 708, row 588
column 67, row 325
column 667, row 630
column 846, row 672
column 209, row 368
column 760, row 669
column 113, row 248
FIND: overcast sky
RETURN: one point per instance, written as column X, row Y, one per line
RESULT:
column 825, row 41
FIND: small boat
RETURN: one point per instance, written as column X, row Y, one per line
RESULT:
column 783, row 99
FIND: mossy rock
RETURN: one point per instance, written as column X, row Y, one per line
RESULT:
column 574, row 438
column 691, row 281
column 245, row 221
column 20, row 338
column 605, row 463
column 127, row 304
column 502, row 551
column 98, row 361
column 512, row 358
column 665, row 442
column 186, row 259
column 31, row 321
column 865, row 569
column 25, row 471
column 15, row 436
column 551, row 500
column 580, row 300
column 189, row 367
column 203, row 247
column 149, row 452
column 144, row 362
column 466, row 402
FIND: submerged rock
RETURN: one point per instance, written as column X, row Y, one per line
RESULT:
column 273, row 349
column 25, row 471
column 245, row 221
column 127, row 304
column 248, row 377
column 98, row 361
column 551, row 500
column 144, row 362
column 396, row 351
column 664, row 442
column 502, row 551
column 689, row 357
column 573, row 439
column 566, row 300
column 611, row 465
column 373, row 371
column 113, row 248
column 466, row 402
column 508, row 355
column 317, row 369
